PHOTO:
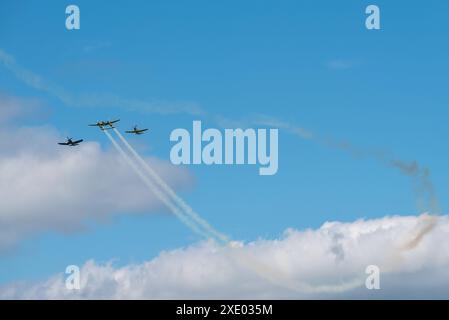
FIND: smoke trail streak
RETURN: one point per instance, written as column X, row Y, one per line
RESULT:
column 426, row 224
column 169, row 191
column 425, row 188
column 421, row 175
column 155, row 190
column 280, row 278
column 95, row 99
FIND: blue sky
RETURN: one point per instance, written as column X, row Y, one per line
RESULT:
column 311, row 63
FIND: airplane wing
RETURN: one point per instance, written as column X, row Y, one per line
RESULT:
column 78, row 141
column 111, row 122
column 142, row 130
column 63, row 143
column 129, row 131
column 94, row 125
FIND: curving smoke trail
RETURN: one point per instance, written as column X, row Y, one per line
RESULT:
column 425, row 188
column 178, row 213
column 169, row 191
column 427, row 199
column 425, row 225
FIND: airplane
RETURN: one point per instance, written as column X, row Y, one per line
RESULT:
column 103, row 124
column 137, row 131
column 70, row 142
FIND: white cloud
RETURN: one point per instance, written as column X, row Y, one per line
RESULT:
column 45, row 186
column 96, row 46
column 328, row 262
column 13, row 107
column 340, row 64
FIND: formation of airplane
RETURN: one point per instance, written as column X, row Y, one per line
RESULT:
column 70, row 142
column 103, row 125
column 137, row 131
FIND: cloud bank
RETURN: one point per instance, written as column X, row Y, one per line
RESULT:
column 335, row 255
column 46, row 187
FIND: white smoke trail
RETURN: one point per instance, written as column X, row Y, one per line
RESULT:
column 281, row 279
column 169, row 191
column 154, row 189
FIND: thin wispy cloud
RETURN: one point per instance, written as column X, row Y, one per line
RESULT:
column 341, row 64
column 96, row 99
column 97, row 46
column 12, row 107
